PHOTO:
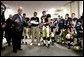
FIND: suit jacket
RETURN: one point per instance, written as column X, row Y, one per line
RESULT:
column 8, row 24
column 20, row 26
column 2, row 19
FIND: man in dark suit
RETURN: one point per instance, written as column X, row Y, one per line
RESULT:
column 2, row 22
column 17, row 30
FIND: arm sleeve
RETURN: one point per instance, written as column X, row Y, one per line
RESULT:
column 37, row 19
column 31, row 18
column 14, row 17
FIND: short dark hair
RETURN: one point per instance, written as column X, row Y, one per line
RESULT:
column 48, row 15
column 58, row 15
column 67, row 14
column 24, row 13
column 35, row 12
column 44, row 12
column 73, row 13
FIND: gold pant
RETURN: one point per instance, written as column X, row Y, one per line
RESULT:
column 35, row 31
column 52, row 34
column 45, row 31
column 26, row 32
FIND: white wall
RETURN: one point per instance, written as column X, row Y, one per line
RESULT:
column 66, row 9
column 74, row 7
column 81, row 7
column 30, row 7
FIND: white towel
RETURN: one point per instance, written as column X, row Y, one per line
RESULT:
column 33, row 22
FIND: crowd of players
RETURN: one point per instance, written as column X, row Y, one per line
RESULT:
column 47, row 31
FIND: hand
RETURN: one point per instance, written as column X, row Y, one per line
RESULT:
column 32, row 22
column 4, row 25
column 44, row 23
column 29, row 24
column 17, row 21
column 59, row 34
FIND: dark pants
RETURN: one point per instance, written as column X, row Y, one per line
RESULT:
column 53, row 39
column 79, row 36
column 1, row 39
column 16, row 40
column 8, row 36
column 69, row 41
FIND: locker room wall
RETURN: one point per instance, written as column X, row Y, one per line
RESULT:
column 31, row 6
column 66, row 10
column 81, row 7
column 74, row 7
column 70, row 7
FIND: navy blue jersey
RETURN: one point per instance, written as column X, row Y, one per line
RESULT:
column 61, row 24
